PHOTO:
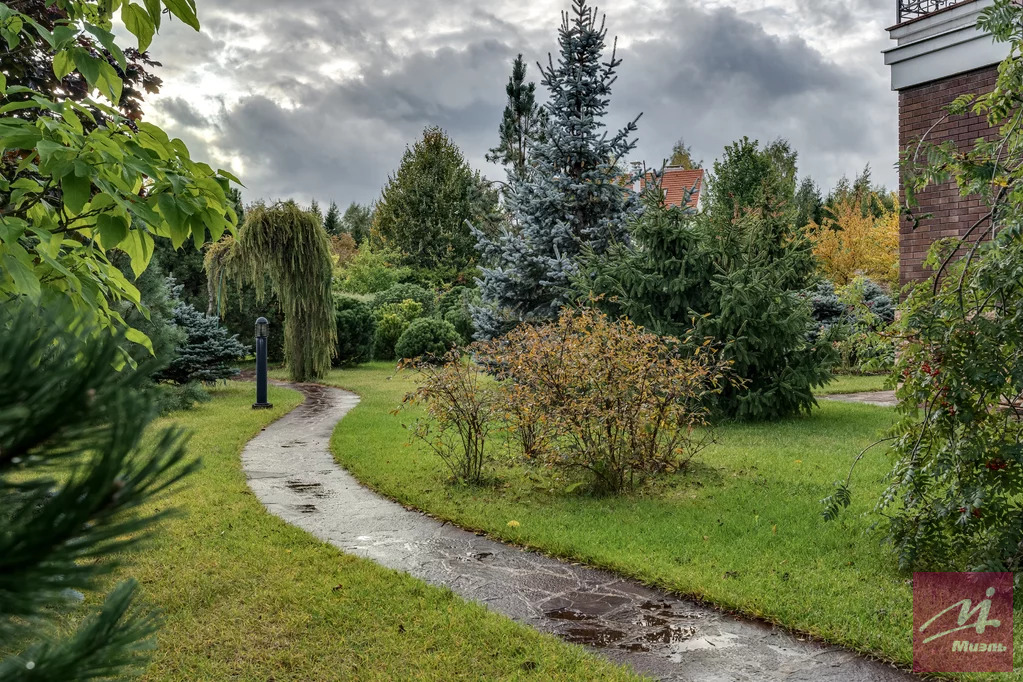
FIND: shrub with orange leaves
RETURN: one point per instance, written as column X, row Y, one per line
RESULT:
column 855, row 241
column 605, row 396
column 461, row 411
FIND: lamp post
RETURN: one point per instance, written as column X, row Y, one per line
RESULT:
column 262, row 332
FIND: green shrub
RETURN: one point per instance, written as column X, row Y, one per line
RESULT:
column 356, row 330
column 370, row 270
column 461, row 320
column 406, row 292
column 428, row 338
column 454, row 306
column 173, row 398
column 392, row 321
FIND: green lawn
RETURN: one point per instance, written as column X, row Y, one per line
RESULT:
column 742, row 529
column 248, row 597
column 853, row 383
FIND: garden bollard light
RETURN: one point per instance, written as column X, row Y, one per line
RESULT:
column 262, row 332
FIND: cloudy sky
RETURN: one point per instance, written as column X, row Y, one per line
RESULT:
column 318, row 98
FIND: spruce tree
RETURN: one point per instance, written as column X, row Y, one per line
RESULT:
column 572, row 197
column 736, row 277
column 332, row 221
column 522, row 122
column 75, row 473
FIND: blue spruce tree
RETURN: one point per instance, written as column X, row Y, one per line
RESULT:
column 571, row 199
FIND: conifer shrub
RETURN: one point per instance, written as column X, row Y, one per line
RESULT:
column 392, row 321
column 617, row 403
column 356, row 331
column 405, row 292
column 207, row 352
column 428, row 338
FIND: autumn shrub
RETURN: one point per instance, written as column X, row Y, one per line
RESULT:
column 427, row 338
column 859, row 237
column 392, row 321
column 460, row 403
column 615, row 401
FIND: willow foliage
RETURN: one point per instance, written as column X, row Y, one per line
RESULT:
column 290, row 247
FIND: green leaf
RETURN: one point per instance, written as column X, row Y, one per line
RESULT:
column 25, row 280
column 107, row 40
column 135, row 336
column 155, row 10
column 140, row 23
column 113, row 229
column 139, row 247
column 184, row 10
column 172, row 214
column 18, row 134
column 230, row 177
column 77, row 191
column 110, row 83
column 87, row 66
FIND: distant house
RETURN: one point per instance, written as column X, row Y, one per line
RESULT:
column 675, row 182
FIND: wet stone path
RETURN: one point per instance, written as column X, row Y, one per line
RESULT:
column 291, row 470
column 879, row 398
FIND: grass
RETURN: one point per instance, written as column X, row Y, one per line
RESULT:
column 853, row 383
column 248, row 597
column 742, row 529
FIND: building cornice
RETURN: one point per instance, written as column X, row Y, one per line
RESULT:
column 941, row 45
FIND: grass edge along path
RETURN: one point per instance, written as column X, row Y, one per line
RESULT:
column 245, row 596
column 741, row 531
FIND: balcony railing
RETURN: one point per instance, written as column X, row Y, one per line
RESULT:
column 911, row 9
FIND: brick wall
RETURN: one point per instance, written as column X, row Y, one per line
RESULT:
column 920, row 107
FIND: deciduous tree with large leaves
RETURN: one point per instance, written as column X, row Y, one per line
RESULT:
column 80, row 177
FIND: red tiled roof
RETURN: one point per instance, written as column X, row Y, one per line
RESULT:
column 677, row 181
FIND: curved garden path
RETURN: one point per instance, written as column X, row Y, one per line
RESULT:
column 291, row 470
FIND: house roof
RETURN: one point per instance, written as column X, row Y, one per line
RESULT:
column 677, row 181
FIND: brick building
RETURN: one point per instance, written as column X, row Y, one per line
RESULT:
column 939, row 55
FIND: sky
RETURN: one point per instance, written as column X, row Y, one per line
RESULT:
column 318, row 99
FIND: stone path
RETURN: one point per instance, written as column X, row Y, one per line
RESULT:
column 880, row 398
column 291, row 470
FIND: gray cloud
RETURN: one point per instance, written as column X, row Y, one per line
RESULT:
column 319, row 99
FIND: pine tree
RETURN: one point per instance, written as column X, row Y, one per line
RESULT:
column 572, row 198
column 74, row 474
column 314, row 210
column 423, row 210
column 332, row 221
column 523, row 121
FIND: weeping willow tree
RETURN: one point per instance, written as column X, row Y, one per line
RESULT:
column 289, row 248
